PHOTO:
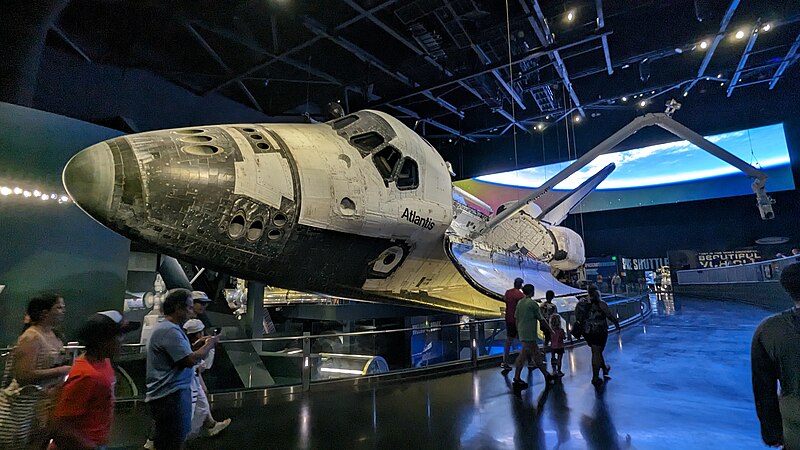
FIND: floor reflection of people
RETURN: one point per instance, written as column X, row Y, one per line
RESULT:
column 559, row 413
column 526, row 413
column 598, row 430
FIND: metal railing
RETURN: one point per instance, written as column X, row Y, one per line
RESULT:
column 756, row 272
column 307, row 359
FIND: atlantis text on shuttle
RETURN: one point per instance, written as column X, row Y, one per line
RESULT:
column 413, row 217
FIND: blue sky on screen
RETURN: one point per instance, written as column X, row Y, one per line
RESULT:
column 656, row 165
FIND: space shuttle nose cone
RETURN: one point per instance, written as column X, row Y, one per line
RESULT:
column 89, row 179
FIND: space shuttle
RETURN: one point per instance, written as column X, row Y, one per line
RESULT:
column 358, row 207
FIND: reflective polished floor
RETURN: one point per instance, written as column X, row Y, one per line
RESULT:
column 679, row 381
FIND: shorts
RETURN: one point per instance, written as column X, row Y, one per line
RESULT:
column 172, row 417
column 558, row 351
column 597, row 340
column 511, row 330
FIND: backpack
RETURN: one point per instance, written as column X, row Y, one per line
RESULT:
column 595, row 321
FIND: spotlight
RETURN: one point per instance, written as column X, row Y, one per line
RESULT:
column 577, row 119
column 624, row 99
column 45, row 197
column 626, row 66
column 547, row 117
column 570, row 16
column 686, row 94
column 64, row 198
column 36, row 193
column 766, row 27
column 643, row 103
column 53, row 196
column 652, row 92
column 450, row 140
column 722, row 84
column 26, row 194
column 719, row 75
column 17, row 191
column 740, row 34
column 540, row 127
column 704, row 45
column 5, row 191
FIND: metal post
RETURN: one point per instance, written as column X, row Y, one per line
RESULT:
column 306, row 361
column 473, row 343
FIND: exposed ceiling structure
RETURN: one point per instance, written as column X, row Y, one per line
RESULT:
column 472, row 69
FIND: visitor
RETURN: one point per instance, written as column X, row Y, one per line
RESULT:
column 200, row 302
column 557, row 344
column 201, row 410
column 39, row 366
column 592, row 319
column 616, row 282
column 170, row 361
column 85, row 408
column 548, row 309
column 775, row 363
column 528, row 316
column 511, row 297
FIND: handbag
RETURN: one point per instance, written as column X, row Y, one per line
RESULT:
column 18, row 409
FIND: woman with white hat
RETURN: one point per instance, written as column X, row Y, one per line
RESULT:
column 201, row 410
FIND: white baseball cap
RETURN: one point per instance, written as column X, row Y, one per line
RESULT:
column 193, row 326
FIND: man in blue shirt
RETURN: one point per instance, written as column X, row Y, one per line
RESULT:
column 170, row 360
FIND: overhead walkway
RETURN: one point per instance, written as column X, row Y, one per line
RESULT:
column 680, row 380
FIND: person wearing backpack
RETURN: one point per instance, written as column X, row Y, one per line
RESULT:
column 774, row 359
column 592, row 321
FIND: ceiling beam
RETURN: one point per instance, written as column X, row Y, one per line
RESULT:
column 787, row 61
column 743, row 60
column 542, row 32
column 369, row 15
column 318, row 29
column 723, row 26
column 601, row 23
column 488, row 69
column 222, row 64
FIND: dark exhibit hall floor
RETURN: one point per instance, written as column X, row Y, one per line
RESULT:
column 679, row 381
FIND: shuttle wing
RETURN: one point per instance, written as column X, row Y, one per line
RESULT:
column 556, row 211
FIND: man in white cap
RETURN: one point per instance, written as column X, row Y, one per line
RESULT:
column 85, row 408
column 201, row 411
column 201, row 301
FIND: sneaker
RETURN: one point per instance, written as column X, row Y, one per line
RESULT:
column 606, row 370
column 597, row 381
column 519, row 384
column 560, row 373
column 218, row 427
column 505, row 366
column 149, row 445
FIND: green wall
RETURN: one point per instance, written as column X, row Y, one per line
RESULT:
column 47, row 246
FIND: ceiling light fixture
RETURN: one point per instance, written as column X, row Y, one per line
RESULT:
column 740, row 34
column 624, row 99
column 571, row 16
column 686, row 94
column 577, row 119
column 643, row 103
column 766, row 27
column 704, row 45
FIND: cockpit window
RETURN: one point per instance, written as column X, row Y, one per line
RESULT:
column 367, row 142
column 408, row 176
column 343, row 122
column 386, row 160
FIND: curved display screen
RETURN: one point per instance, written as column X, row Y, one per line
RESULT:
column 664, row 173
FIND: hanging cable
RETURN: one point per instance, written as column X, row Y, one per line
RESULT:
column 513, row 105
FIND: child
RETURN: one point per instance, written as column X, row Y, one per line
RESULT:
column 557, row 344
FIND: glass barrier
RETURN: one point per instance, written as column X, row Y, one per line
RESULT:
column 744, row 273
column 299, row 360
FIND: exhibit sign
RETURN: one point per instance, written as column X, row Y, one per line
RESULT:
column 728, row 258
column 644, row 263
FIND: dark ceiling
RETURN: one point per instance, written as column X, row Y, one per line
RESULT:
column 464, row 68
